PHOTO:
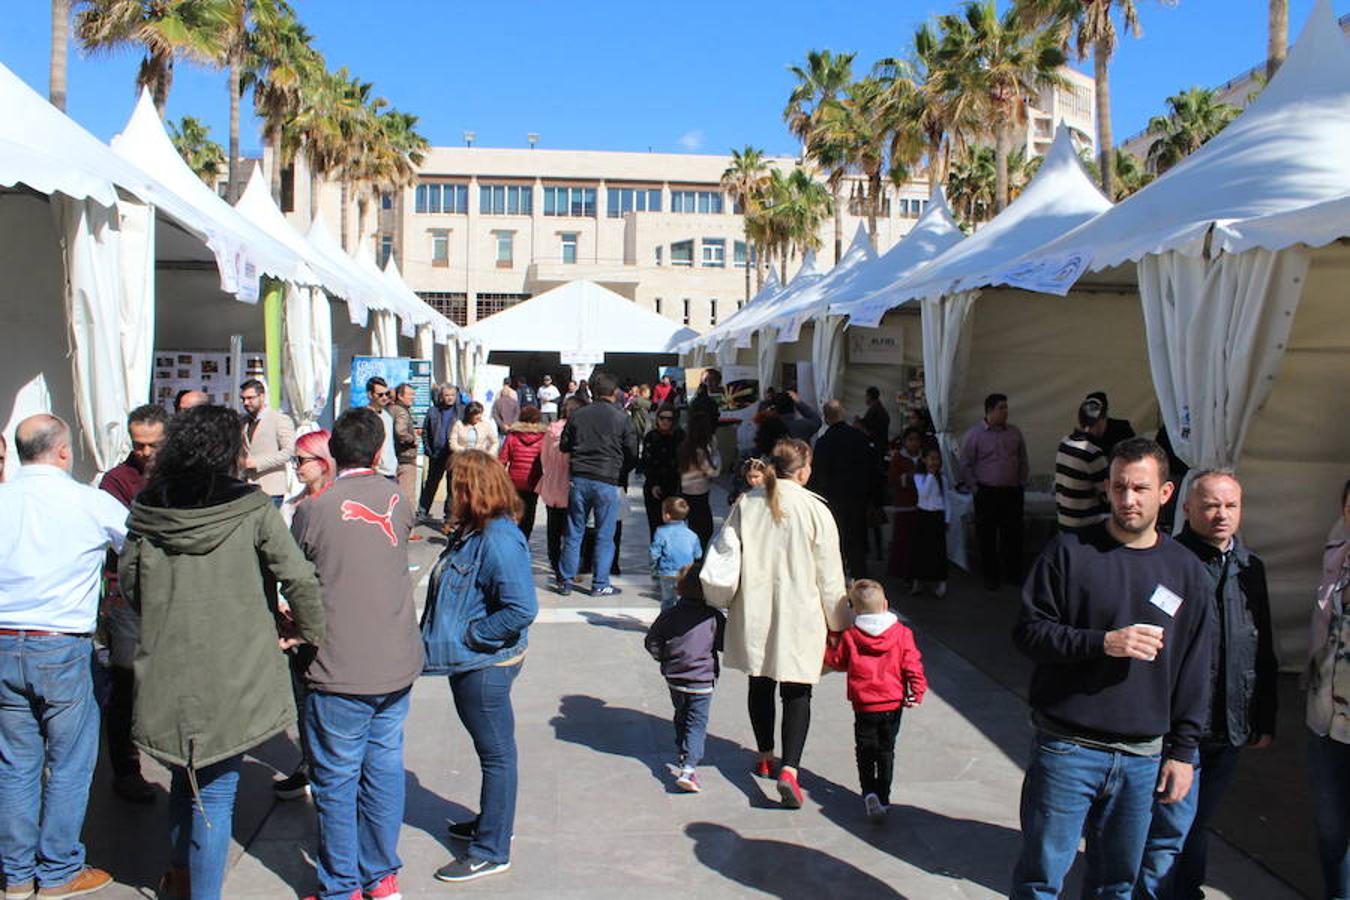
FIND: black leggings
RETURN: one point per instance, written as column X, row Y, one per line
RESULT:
column 796, row 699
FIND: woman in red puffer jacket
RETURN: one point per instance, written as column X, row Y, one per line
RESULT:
column 520, row 454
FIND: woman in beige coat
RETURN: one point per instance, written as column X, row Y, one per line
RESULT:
column 775, row 567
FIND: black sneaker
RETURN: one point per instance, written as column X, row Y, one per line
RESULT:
column 463, row 831
column 469, row 869
column 562, row 588
column 608, row 590
column 292, row 787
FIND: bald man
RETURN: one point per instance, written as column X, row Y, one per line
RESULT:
column 1243, row 699
column 54, row 533
column 189, row 399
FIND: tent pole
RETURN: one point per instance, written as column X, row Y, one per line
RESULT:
column 273, row 293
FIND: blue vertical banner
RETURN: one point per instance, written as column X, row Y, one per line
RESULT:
column 395, row 370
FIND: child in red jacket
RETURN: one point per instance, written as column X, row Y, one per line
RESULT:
column 885, row 674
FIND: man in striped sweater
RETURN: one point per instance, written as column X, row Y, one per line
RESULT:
column 1081, row 470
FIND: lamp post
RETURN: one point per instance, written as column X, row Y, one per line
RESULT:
column 468, row 138
column 533, row 138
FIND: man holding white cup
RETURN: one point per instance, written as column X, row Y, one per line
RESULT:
column 1117, row 618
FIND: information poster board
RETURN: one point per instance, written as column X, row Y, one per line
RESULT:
column 208, row 371
column 395, row 370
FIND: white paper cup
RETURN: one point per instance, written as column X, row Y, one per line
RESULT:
column 1156, row 630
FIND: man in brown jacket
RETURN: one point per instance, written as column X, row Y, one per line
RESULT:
column 269, row 441
column 356, row 534
column 405, row 442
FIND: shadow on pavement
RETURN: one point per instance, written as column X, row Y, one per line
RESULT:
column 618, row 623
column 779, row 868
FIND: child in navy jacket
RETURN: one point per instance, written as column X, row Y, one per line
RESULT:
column 885, row 674
column 685, row 639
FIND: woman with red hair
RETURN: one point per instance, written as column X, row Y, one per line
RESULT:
column 314, row 467
column 475, row 629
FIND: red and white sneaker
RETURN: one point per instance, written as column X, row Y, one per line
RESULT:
column 788, row 790
column 387, row 889
column 356, row 895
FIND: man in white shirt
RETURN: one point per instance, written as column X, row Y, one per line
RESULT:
column 548, row 400
column 54, row 533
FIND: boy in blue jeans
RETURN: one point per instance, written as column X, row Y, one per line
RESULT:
column 674, row 547
column 686, row 639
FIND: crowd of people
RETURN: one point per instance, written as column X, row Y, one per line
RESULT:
column 225, row 609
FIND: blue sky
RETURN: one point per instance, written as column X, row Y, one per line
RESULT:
column 694, row 76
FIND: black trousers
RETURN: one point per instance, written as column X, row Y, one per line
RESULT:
column 653, row 505
column 700, row 518
column 851, row 519
column 998, row 529
column 874, row 735
column 556, row 522
column 438, row 467
column 796, row 716
column 529, row 500
column 122, row 753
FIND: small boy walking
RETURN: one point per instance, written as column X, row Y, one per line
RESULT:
column 885, row 675
column 674, row 547
column 685, row 639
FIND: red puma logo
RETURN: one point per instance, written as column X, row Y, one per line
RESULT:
column 359, row 512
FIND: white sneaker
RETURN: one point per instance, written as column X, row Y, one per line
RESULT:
column 941, row 589
column 875, row 811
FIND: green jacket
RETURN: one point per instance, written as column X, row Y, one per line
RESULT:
column 211, row 681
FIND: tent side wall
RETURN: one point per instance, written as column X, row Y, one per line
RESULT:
column 889, row 378
column 33, row 320
column 1297, row 456
column 1047, row 353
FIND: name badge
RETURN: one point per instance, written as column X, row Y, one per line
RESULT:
column 1165, row 600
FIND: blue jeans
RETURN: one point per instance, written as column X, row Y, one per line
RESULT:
column 1329, row 772
column 586, row 496
column 691, row 724
column 1178, row 838
column 1070, row 789
column 200, row 830
column 356, row 778
column 483, row 701
column 48, row 719
column 667, row 585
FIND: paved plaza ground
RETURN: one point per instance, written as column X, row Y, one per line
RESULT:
column 598, row 816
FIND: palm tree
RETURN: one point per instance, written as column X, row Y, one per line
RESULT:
column 59, row 53
column 1194, row 116
column 744, row 182
column 232, row 41
column 1277, row 38
column 183, row 29
column 1131, row 174
column 281, row 67
column 1096, row 32
column 970, row 185
column 192, row 139
column 1001, row 63
column 825, row 76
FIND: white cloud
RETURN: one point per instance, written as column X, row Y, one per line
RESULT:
column 691, row 140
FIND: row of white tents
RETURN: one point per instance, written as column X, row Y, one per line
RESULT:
column 1213, row 302
column 113, row 252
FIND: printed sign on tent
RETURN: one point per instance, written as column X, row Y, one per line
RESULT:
column 883, row 345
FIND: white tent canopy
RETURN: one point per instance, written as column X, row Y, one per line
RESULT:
column 442, row 328
column 809, row 273
column 814, row 297
column 932, row 235
column 580, row 316
column 710, row 338
column 369, row 294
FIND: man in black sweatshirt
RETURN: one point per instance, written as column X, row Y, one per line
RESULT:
column 1117, row 618
column 603, row 447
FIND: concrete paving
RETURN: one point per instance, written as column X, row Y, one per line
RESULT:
column 598, row 816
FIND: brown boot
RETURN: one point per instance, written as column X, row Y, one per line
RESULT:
column 86, row 882
column 174, row 884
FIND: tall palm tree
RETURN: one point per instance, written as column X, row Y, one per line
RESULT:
column 796, row 206
column 166, row 32
column 60, row 51
column 1131, row 173
column 1096, row 33
column 328, row 105
column 825, row 76
column 232, row 41
column 1193, row 117
column 1001, row 63
column 192, row 139
column 1277, row 35
column 744, row 181
column 970, row 185
column 281, row 67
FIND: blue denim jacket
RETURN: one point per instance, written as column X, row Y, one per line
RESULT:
column 480, row 601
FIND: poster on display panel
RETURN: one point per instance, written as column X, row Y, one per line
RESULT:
column 209, row 371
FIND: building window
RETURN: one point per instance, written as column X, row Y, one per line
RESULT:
column 435, row 198
column 712, row 311
column 626, row 200
column 576, row 202
column 569, row 247
column 454, row 305
column 659, row 248
column 739, row 304
column 682, row 253
column 686, row 310
column 506, row 200
column 386, row 200
column 741, row 256
column 386, row 248
column 440, row 248
column 505, row 248
column 714, row 253
column 696, row 201
column 487, row 304
column 658, row 306
column 912, row 207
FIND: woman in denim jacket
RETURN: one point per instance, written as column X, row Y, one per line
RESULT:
column 479, row 609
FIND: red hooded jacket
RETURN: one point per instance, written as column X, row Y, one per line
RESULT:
column 884, row 668
column 520, row 453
